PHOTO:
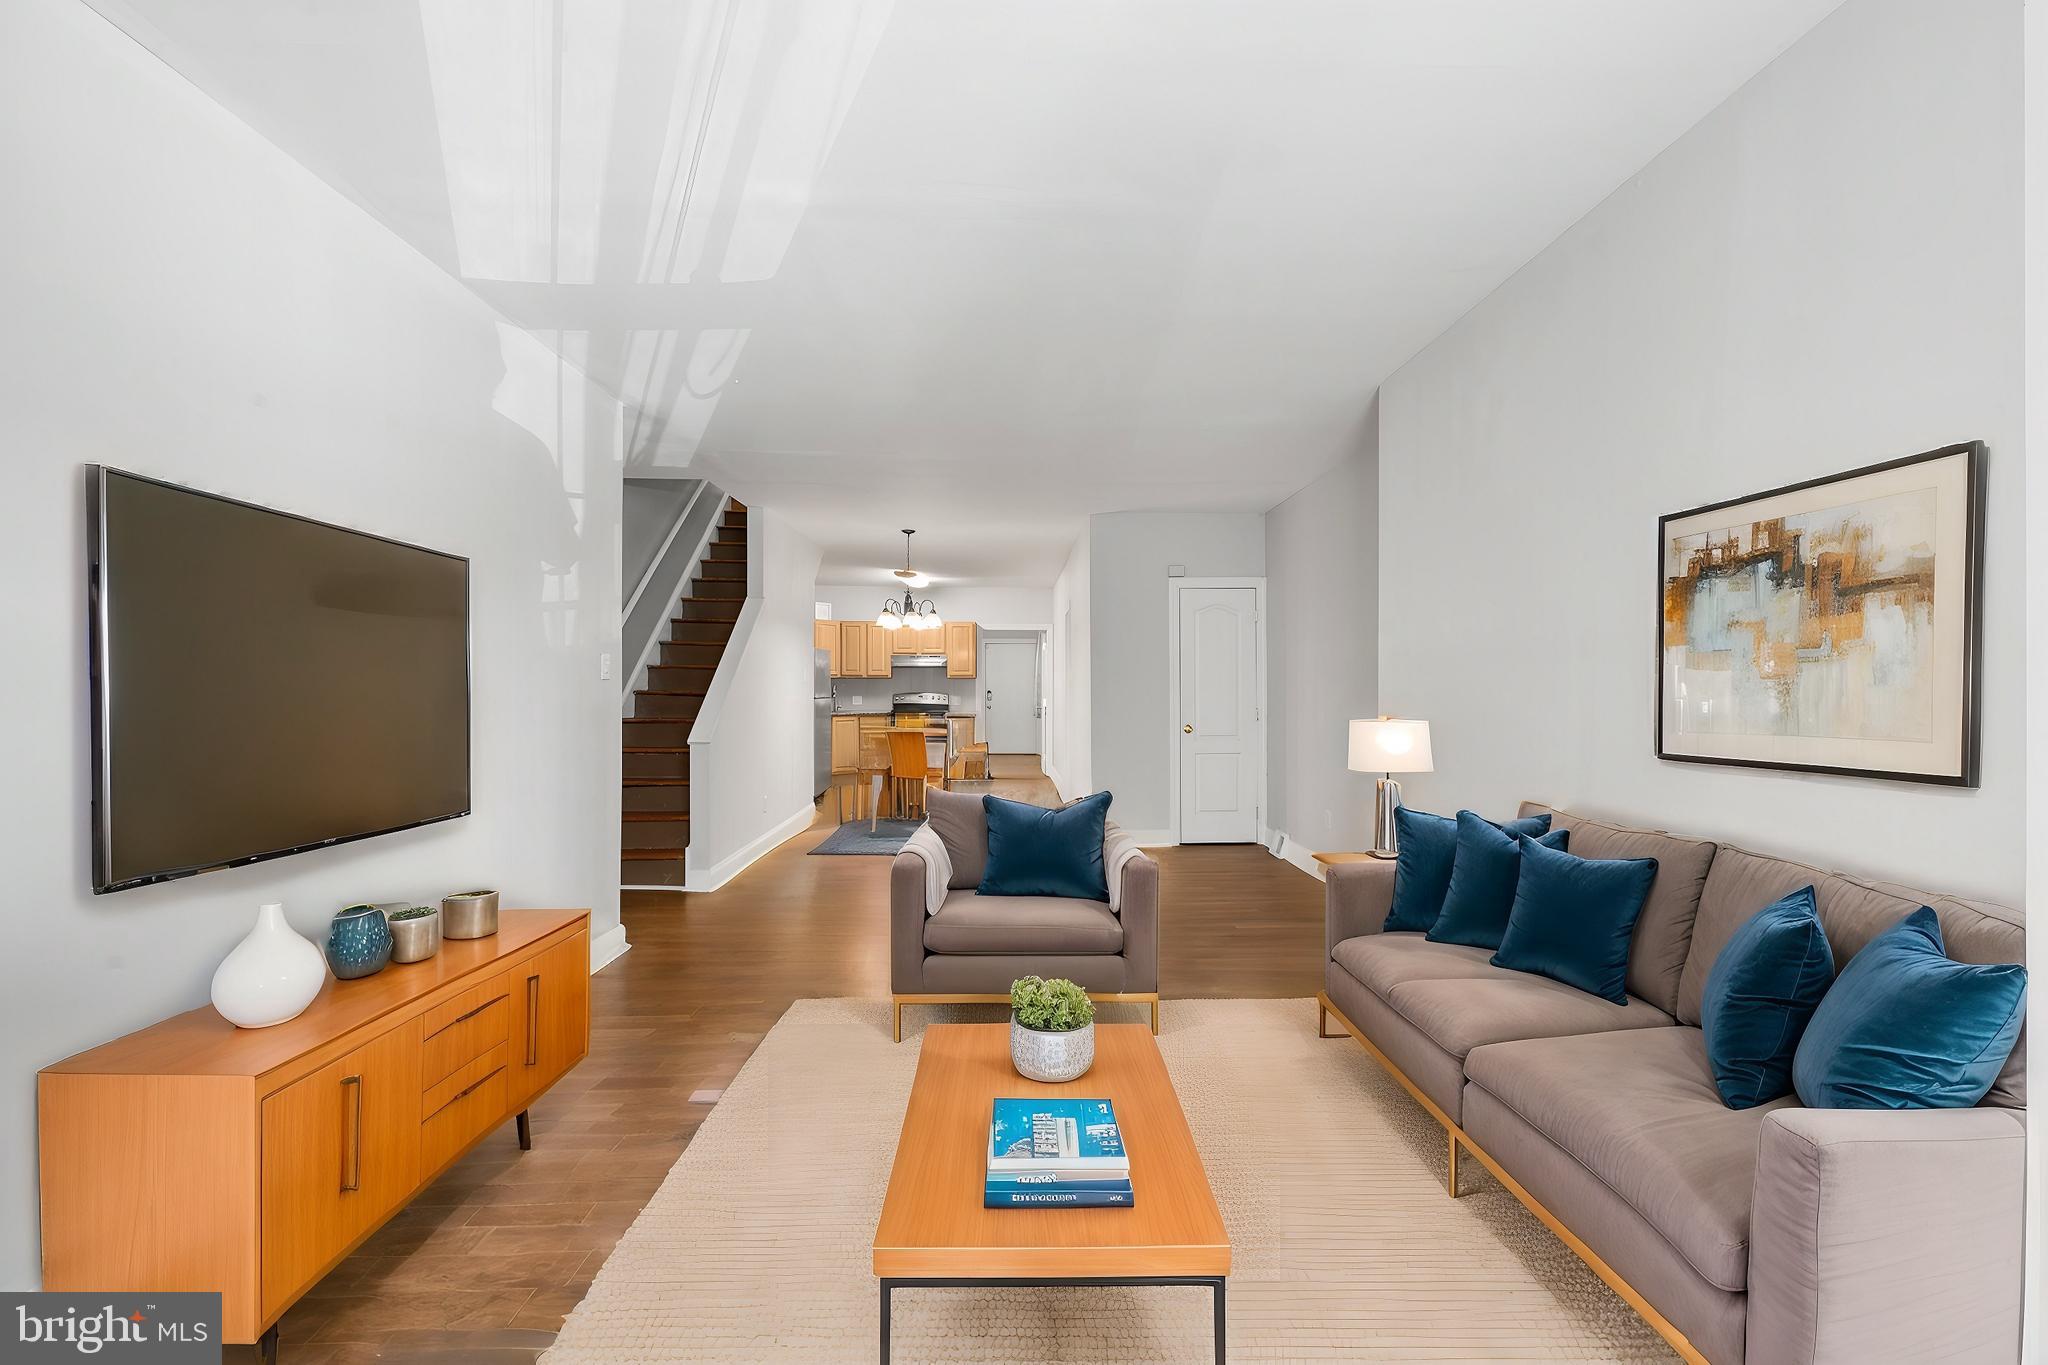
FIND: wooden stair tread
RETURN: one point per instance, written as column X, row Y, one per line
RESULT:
column 651, row 855
column 656, row 749
column 638, row 817
column 656, row 781
column 668, row 692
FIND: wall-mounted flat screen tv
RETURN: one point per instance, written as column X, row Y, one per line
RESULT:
column 263, row 683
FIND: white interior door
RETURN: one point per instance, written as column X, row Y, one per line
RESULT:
column 1010, row 696
column 1220, row 751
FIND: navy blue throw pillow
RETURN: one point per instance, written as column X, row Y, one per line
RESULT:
column 1422, row 872
column 1483, row 878
column 1573, row 916
column 1762, row 992
column 1033, row 851
column 1904, row 1027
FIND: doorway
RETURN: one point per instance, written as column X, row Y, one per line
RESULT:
column 1012, row 708
column 1218, row 735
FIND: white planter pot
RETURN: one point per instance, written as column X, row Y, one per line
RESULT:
column 1040, row 1055
column 271, row 976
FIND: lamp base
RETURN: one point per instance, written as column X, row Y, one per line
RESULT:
column 1386, row 799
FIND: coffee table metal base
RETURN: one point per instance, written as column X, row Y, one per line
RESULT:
column 1212, row 1282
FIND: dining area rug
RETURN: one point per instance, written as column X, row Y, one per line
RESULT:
column 855, row 839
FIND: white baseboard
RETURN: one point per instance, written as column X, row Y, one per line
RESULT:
column 723, row 871
column 607, row 948
column 1059, row 784
column 1293, row 850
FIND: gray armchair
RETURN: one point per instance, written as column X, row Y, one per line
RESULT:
column 975, row 946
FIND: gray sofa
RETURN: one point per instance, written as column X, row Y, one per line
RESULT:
column 1764, row 1235
column 976, row 945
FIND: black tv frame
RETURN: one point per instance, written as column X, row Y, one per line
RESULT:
column 101, row 697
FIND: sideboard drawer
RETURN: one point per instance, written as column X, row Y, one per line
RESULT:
column 464, row 1114
column 469, row 1037
column 465, row 1003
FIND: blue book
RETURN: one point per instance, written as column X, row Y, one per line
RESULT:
column 1034, row 1180
column 1056, row 1196
column 1072, row 1137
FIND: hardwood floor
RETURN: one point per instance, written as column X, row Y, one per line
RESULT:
column 486, row 1262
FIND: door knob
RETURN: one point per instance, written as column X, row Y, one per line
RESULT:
column 1187, row 729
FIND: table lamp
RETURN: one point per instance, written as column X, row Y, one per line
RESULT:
column 1388, row 745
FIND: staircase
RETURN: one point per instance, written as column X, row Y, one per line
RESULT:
column 654, row 828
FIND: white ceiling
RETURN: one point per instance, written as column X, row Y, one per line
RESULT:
column 979, row 266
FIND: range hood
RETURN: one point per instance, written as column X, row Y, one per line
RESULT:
column 919, row 661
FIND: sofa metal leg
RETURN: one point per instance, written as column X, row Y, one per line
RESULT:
column 1454, row 1162
column 1322, row 1018
column 899, row 1020
column 1155, row 1016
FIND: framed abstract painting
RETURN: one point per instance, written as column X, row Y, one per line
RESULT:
column 1832, row 626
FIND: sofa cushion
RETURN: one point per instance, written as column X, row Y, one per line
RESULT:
column 1640, row 1112
column 1761, row 994
column 1574, row 918
column 1459, row 1015
column 1428, row 853
column 1663, row 932
column 1033, row 851
column 962, row 826
column 971, row 923
column 1906, row 1027
column 1384, row 961
column 1853, row 912
column 1483, row 881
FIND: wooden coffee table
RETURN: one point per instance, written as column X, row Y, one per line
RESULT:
column 934, row 1233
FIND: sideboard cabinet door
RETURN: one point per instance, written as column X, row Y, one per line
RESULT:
column 341, row 1148
column 550, row 1016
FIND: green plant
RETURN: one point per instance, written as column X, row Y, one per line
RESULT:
column 417, row 912
column 1055, row 1006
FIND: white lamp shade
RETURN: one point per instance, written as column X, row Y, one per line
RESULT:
column 1388, row 745
column 888, row 620
column 932, row 620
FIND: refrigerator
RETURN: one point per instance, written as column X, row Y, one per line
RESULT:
column 821, row 720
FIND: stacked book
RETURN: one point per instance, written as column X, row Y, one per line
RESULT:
column 1056, row 1153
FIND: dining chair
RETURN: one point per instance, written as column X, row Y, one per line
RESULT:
column 870, row 769
column 909, row 767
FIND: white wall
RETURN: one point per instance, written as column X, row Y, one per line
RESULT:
column 186, row 302
column 982, row 604
column 1068, row 760
column 1824, row 273
column 1129, row 553
column 2036, row 370
column 1322, row 631
column 752, row 748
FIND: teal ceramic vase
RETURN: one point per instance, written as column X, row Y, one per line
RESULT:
column 358, row 942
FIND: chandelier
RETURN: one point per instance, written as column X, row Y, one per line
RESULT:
column 918, row 615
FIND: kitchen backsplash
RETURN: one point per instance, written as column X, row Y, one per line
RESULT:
column 874, row 694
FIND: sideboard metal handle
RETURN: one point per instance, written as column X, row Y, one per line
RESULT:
column 533, row 1019
column 352, row 1156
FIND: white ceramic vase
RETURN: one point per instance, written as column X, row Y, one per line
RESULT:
column 271, row 976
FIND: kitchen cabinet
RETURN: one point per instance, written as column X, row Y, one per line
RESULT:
column 879, row 664
column 845, row 743
column 853, row 649
column 963, row 647
column 825, row 636
column 903, row 640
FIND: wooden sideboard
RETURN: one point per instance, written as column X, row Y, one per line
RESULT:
column 194, row 1155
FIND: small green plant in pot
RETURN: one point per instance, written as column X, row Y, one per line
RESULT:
column 1052, row 1029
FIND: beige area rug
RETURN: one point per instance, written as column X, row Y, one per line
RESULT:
column 1330, row 1178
